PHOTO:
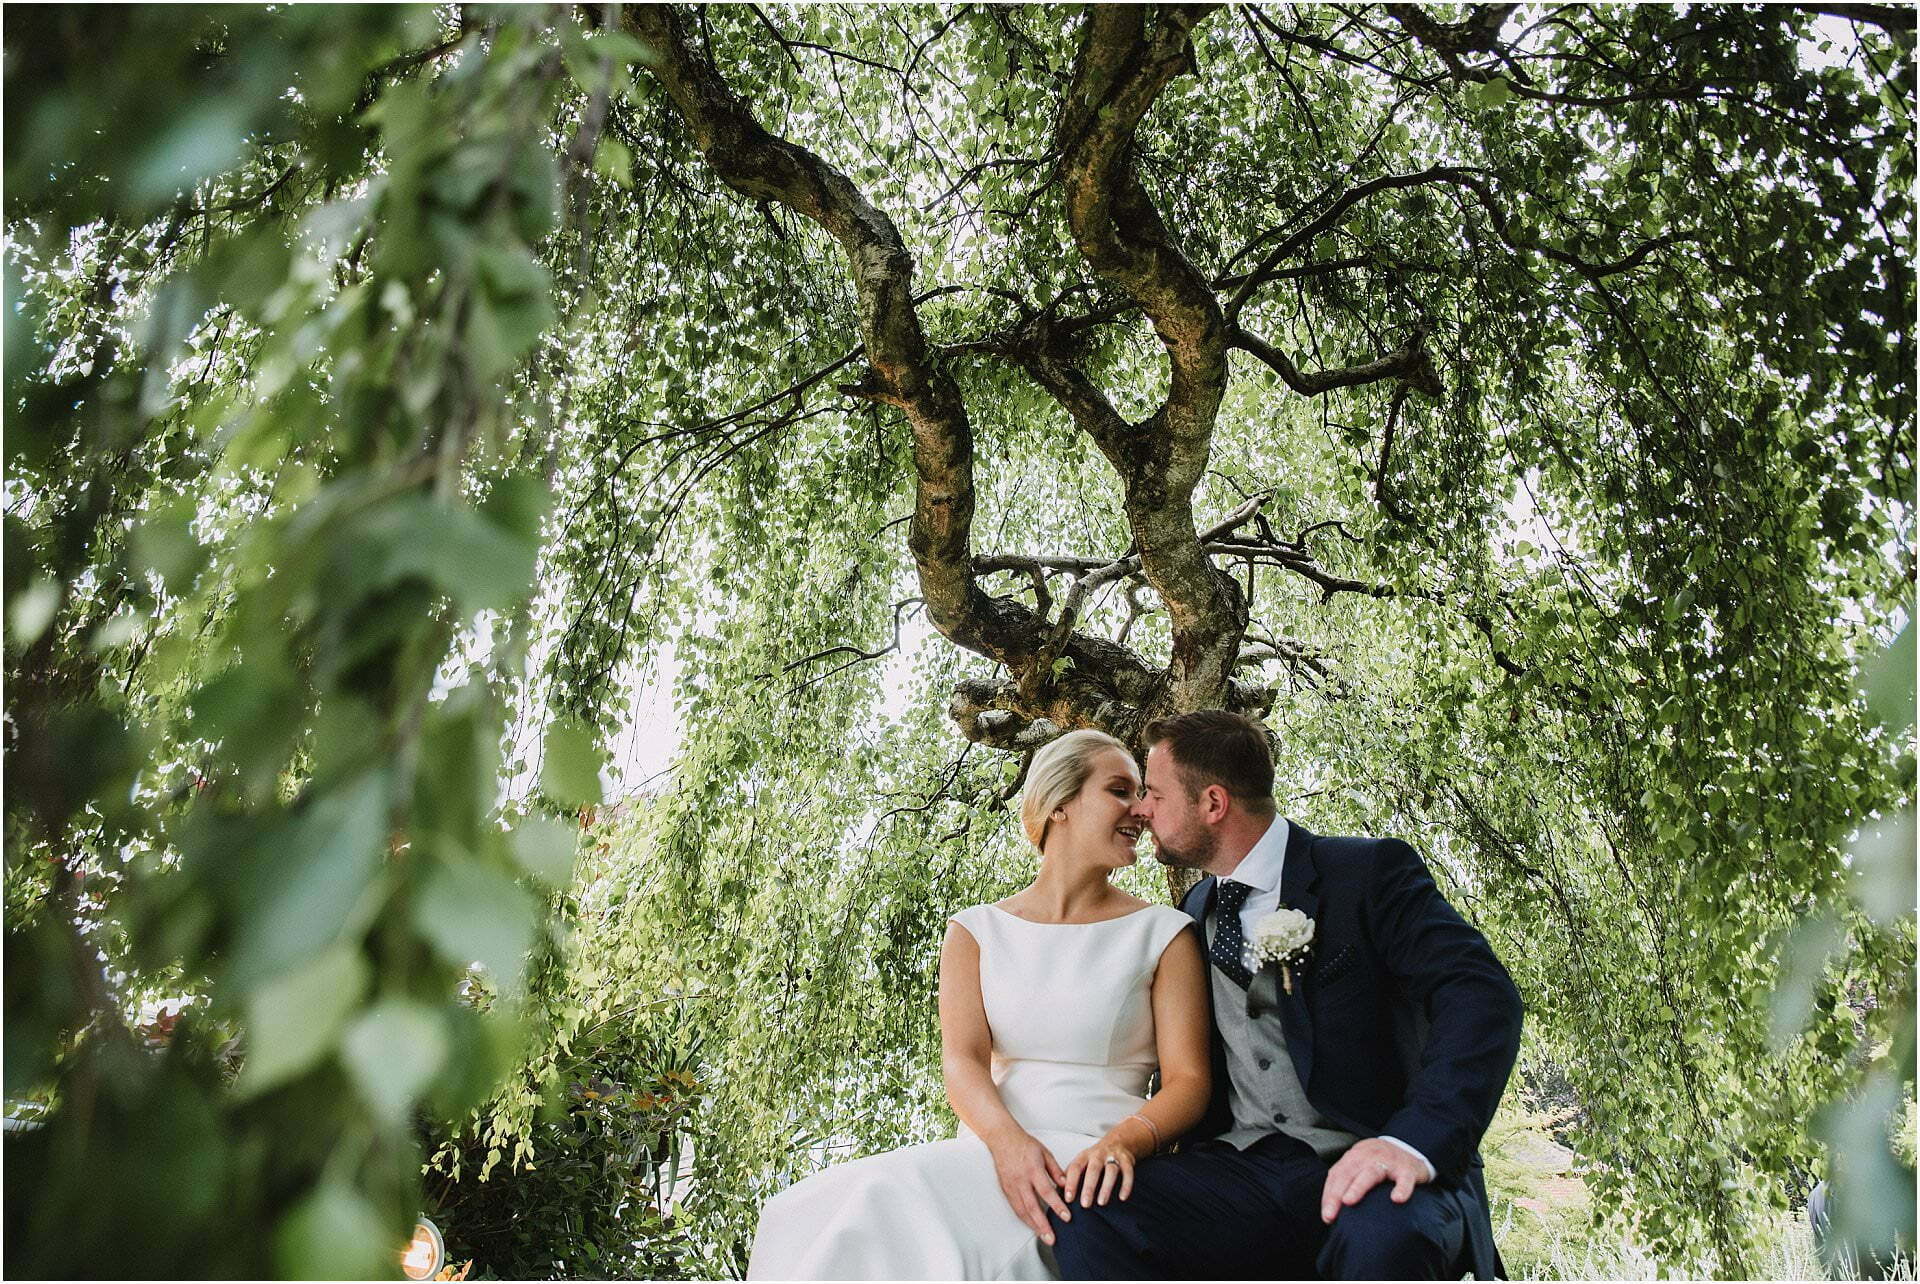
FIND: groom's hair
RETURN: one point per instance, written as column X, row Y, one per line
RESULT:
column 1214, row 747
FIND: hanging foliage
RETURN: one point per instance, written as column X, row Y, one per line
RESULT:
column 1512, row 405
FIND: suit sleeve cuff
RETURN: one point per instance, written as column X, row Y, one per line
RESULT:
column 1395, row 1141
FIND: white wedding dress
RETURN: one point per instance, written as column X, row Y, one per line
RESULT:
column 1068, row 1004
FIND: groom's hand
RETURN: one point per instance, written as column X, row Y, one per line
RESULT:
column 1365, row 1165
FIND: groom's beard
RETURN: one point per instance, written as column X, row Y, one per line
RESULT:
column 1194, row 853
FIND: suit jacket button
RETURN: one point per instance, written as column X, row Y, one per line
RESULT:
column 1265, row 1064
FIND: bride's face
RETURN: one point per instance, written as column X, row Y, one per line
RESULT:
column 1102, row 824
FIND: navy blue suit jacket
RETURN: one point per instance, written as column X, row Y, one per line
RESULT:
column 1402, row 1022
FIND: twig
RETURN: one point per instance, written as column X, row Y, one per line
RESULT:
column 845, row 649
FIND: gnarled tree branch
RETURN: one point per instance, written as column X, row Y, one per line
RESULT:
column 1127, row 57
column 1106, row 685
column 763, row 167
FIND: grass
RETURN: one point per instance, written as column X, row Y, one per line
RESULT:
column 1792, row 1258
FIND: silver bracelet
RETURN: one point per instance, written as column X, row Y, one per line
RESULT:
column 1150, row 1128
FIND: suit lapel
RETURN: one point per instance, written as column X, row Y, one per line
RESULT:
column 1299, row 877
column 1199, row 903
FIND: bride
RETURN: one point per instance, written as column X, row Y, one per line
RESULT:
column 1056, row 1006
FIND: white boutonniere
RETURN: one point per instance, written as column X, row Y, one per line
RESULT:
column 1284, row 937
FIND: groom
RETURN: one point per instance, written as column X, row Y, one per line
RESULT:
column 1348, row 1102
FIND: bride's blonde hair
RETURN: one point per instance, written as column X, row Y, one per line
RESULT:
column 1058, row 772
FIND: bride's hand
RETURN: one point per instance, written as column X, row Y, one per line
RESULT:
column 1030, row 1179
column 1096, row 1172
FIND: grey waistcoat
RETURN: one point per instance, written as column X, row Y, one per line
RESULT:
column 1263, row 1088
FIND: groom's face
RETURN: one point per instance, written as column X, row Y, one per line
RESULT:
column 1180, row 836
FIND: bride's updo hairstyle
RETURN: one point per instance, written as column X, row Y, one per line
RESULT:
column 1058, row 772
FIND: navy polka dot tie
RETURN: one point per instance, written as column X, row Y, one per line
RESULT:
column 1228, row 943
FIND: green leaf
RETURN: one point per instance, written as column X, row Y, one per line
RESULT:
column 510, row 273
column 1888, row 681
column 480, row 565
column 164, row 544
column 624, row 48
column 613, row 160
column 336, row 1234
column 458, row 774
column 313, row 881
column 292, row 1022
column 482, row 1050
column 199, row 145
column 502, row 331
column 1810, row 949
column 570, row 768
column 393, row 1052
column 1883, row 871
column 253, row 710
column 546, row 848
column 30, row 611
column 472, row 914
column 518, row 505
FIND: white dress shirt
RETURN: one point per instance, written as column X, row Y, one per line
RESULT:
column 1260, row 869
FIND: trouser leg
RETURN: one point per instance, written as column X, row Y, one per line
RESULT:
column 1091, row 1246
column 1208, row 1213
column 1377, row 1239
